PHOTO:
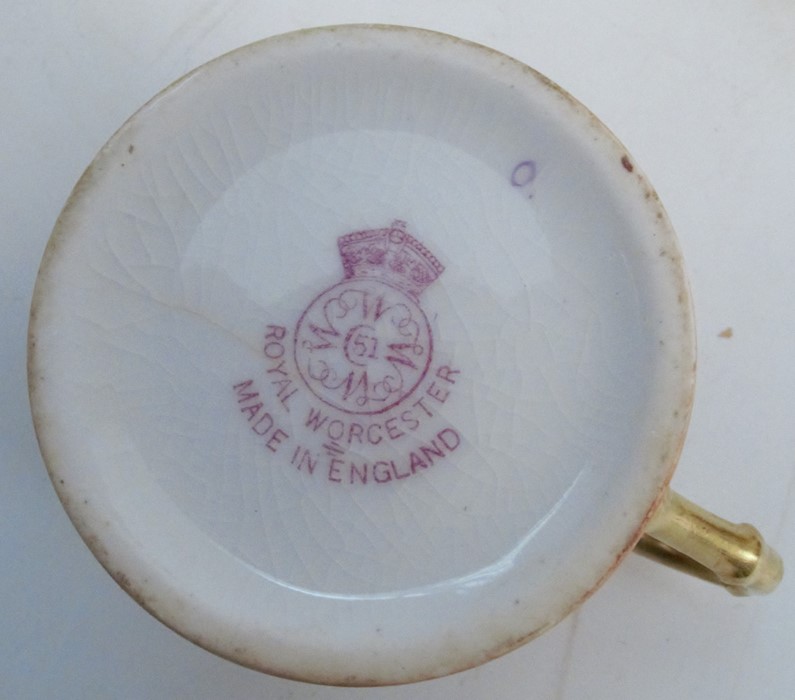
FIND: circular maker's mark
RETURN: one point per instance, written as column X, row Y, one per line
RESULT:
column 362, row 346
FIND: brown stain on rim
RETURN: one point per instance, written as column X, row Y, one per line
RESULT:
column 627, row 164
column 237, row 653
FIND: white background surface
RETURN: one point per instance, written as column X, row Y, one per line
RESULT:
column 702, row 95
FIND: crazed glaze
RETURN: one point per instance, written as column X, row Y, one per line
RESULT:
column 337, row 448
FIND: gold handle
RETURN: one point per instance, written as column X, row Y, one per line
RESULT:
column 691, row 539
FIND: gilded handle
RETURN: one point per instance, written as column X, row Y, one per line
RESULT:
column 683, row 535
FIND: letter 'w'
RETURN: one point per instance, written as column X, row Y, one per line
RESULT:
column 322, row 335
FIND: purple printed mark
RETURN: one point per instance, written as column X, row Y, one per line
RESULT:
column 349, row 469
column 342, row 433
column 261, row 421
column 364, row 349
column 274, row 350
column 365, row 344
column 390, row 255
column 523, row 176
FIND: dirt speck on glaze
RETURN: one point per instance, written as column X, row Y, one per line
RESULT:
column 135, row 592
column 123, row 580
column 727, row 333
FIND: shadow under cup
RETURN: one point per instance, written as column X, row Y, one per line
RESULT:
column 361, row 355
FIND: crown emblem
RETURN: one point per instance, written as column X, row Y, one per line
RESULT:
column 390, row 255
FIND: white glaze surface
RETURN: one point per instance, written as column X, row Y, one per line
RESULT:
column 174, row 393
column 693, row 188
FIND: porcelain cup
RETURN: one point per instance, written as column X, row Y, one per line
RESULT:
column 362, row 355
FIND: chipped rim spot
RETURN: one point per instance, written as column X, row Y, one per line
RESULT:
column 627, row 163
